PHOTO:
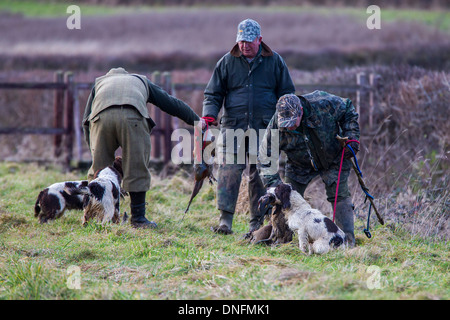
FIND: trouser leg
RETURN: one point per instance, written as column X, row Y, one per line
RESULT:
column 255, row 191
column 134, row 138
column 229, row 178
column 344, row 217
column 345, row 220
column 103, row 142
column 299, row 187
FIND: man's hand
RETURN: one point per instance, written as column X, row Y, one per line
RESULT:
column 202, row 124
column 348, row 153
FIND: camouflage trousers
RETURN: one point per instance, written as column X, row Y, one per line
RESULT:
column 300, row 178
column 228, row 182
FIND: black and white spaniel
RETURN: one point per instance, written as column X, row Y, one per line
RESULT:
column 102, row 195
column 316, row 232
column 53, row 201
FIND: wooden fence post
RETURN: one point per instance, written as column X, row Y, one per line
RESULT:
column 58, row 112
column 77, row 123
column 373, row 82
column 156, row 115
column 362, row 81
column 68, row 119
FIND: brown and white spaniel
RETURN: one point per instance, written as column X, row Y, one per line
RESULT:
column 102, row 195
column 53, row 201
column 316, row 232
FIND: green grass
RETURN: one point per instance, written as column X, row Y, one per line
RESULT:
column 435, row 18
column 54, row 9
column 185, row 260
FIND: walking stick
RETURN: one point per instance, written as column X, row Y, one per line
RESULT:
column 364, row 188
column 344, row 142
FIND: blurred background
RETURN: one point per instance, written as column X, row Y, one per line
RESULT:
column 326, row 44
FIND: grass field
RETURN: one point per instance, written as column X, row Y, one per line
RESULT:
column 436, row 18
column 405, row 155
column 185, row 260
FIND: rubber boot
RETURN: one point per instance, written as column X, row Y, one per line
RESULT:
column 138, row 219
column 137, row 206
column 255, row 191
column 256, row 221
column 345, row 220
column 225, row 223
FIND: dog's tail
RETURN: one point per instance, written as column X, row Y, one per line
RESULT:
column 124, row 217
column 37, row 205
column 75, row 190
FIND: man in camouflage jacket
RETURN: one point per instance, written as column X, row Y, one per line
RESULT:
column 308, row 126
column 247, row 82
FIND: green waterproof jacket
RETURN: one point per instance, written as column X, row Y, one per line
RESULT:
column 313, row 145
column 247, row 91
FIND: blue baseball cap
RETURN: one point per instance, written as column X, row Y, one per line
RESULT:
column 248, row 30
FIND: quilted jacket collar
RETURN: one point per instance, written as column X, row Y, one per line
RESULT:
column 265, row 50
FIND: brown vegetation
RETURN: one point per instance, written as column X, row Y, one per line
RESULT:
column 196, row 38
column 384, row 3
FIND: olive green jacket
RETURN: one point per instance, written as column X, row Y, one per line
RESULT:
column 247, row 91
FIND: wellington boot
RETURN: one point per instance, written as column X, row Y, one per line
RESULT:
column 225, row 223
column 345, row 220
column 138, row 219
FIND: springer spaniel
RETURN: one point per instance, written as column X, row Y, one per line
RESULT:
column 102, row 195
column 53, row 201
column 315, row 231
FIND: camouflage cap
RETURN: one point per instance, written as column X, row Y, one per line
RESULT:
column 248, row 30
column 289, row 108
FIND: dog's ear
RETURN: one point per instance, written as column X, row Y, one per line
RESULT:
column 118, row 165
column 84, row 184
column 277, row 210
column 283, row 193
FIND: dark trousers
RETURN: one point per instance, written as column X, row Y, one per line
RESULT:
column 228, row 183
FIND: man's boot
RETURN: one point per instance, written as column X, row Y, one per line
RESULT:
column 345, row 220
column 255, row 191
column 256, row 221
column 225, row 223
column 137, row 206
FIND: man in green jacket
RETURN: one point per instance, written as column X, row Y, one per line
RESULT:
column 247, row 82
column 116, row 115
column 307, row 127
